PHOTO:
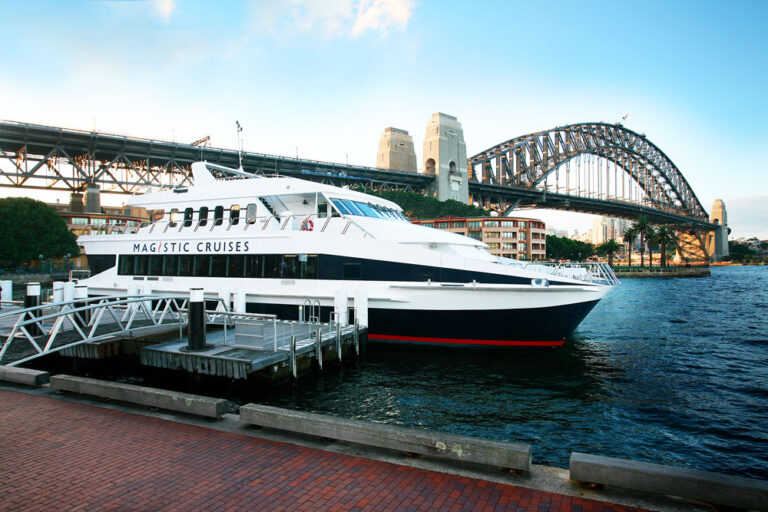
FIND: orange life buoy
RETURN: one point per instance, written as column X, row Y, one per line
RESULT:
column 307, row 225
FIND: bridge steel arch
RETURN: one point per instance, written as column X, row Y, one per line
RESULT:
column 525, row 162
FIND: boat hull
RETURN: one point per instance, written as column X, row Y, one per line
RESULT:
column 526, row 327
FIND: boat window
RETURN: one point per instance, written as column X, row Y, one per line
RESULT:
column 253, row 265
column 125, row 265
column 322, row 210
column 353, row 270
column 140, row 265
column 170, row 265
column 203, row 216
column 234, row 214
column 218, row 215
column 343, row 209
column 367, row 210
column 218, row 265
column 250, row 214
column 202, row 265
column 173, row 217
column 185, row 265
column 188, row 213
column 155, row 265
column 352, row 206
column 235, row 265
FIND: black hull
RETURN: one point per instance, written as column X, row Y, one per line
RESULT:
column 534, row 327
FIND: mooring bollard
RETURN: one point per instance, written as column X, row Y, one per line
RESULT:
column 6, row 291
column 81, row 293
column 319, row 347
column 69, row 291
column 58, row 292
column 31, row 300
column 196, row 323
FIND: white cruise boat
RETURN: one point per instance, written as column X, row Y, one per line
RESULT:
column 280, row 241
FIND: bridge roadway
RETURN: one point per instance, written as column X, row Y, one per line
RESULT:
column 51, row 158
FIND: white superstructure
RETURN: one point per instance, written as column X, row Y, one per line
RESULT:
column 280, row 241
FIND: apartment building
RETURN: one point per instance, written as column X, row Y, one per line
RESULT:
column 518, row 238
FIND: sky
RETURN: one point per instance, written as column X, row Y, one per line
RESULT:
column 323, row 78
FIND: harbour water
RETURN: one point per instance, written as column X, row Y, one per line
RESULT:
column 672, row 371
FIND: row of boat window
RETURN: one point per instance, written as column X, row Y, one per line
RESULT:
column 349, row 207
column 286, row 266
column 345, row 206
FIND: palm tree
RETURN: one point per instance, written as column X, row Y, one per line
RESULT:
column 644, row 229
column 629, row 237
column 664, row 236
column 609, row 248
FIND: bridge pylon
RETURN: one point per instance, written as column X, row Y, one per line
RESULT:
column 445, row 158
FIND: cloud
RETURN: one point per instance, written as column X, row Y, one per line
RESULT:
column 164, row 8
column 332, row 18
column 380, row 15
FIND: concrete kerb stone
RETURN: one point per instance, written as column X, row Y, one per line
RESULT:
column 24, row 376
column 152, row 397
column 733, row 491
column 434, row 444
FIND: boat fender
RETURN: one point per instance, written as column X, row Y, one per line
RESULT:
column 307, row 225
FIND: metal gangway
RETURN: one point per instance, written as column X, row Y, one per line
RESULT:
column 33, row 332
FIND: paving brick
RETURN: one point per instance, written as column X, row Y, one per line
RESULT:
column 57, row 455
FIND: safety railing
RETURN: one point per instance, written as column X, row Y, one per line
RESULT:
column 50, row 328
column 594, row 272
column 302, row 222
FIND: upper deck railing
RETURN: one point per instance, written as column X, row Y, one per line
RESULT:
column 588, row 271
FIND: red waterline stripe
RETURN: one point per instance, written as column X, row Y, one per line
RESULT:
column 462, row 341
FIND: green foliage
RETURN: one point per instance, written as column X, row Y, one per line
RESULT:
column 29, row 228
column 741, row 252
column 418, row 206
column 665, row 237
column 608, row 248
column 563, row 248
column 644, row 229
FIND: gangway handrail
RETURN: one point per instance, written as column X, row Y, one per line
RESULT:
column 123, row 309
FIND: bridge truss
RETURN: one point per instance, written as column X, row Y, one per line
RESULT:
column 50, row 158
column 597, row 162
column 595, row 168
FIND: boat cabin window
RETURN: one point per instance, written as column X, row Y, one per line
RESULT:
column 173, row 217
column 322, row 210
column 203, row 216
column 218, row 215
column 250, row 214
column 359, row 208
column 234, row 214
column 188, row 213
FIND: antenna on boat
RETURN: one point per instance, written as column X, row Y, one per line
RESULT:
column 239, row 145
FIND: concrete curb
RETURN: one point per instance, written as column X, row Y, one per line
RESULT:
column 24, row 376
column 153, row 397
column 733, row 491
column 435, row 444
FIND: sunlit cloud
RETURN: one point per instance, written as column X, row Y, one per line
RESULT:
column 332, row 18
column 381, row 15
column 164, row 8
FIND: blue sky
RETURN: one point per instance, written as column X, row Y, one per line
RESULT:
column 324, row 78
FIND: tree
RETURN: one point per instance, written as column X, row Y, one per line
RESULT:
column 664, row 236
column 30, row 228
column 563, row 248
column 609, row 248
column 629, row 237
column 643, row 228
column 419, row 206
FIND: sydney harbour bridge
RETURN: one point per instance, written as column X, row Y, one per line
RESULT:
column 595, row 168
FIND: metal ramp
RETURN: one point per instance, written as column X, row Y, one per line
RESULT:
column 30, row 333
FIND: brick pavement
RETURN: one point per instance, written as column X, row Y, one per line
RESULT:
column 56, row 455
